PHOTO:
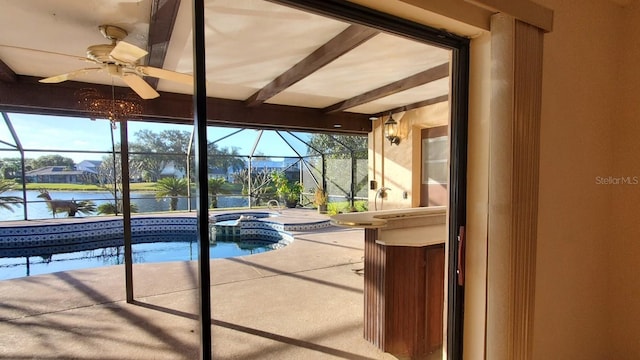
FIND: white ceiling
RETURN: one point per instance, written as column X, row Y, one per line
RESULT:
column 248, row 44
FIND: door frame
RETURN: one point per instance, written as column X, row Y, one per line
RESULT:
column 459, row 107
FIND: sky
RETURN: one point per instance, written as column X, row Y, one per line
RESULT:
column 37, row 132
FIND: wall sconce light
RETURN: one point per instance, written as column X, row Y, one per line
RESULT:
column 391, row 130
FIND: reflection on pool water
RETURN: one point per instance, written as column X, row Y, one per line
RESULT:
column 162, row 251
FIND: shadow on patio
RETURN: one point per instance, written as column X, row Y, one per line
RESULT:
column 301, row 302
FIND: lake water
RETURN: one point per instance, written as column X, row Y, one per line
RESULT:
column 145, row 201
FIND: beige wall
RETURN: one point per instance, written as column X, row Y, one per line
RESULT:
column 579, row 111
column 624, row 238
column 398, row 166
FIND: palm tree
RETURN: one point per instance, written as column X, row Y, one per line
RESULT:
column 173, row 188
column 215, row 188
column 110, row 208
column 6, row 202
column 86, row 207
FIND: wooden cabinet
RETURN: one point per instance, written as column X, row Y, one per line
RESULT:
column 435, row 296
column 404, row 297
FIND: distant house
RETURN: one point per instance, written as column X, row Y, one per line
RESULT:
column 91, row 166
column 220, row 173
column 60, row 174
column 275, row 165
column 170, row 170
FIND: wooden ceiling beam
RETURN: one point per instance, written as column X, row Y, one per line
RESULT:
column 342, row 43
column 27, row 95
column 163, row 18
column 6, row 74
column 421, row 78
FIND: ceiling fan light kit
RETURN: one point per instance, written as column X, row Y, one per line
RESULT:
column 113, row 109
column 120, row 59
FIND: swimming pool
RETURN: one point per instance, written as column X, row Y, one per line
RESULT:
column 158, row 251
column 38, row 249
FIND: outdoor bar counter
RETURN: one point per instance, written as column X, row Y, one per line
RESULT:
column 404, row 278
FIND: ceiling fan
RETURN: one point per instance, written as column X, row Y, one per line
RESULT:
column 120, row 59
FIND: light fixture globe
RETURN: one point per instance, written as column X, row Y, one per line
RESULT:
column 391, row 130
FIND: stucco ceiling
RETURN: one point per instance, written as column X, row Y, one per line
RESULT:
column 251, row 46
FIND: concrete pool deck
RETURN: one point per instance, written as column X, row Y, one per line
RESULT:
column 304, row 301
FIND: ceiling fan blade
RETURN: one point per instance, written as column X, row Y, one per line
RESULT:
column 68, row 76
column 127, row 53
column 165, row 74
column 137, row 84
column 43, row 51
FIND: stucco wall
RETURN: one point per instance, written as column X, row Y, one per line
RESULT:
column 398, row 166
column 624, row 240
column 579, row 109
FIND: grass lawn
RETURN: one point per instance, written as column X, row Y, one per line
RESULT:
column 147, row 186
column 144, row 186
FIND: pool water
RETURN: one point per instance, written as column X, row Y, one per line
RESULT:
column 16, row 267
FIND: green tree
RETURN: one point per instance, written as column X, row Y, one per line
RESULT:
column 108, row 174
column 288, row 190
column 343, row 155
column 86, row 207
column 8, row 202
column 215, row 187
column 166, row 141
column 10, row 168
column 148, row 165
column 259, row 155
column 172, row 188
column 110, row 208
column 224, row 158
column 338, row 146
column 152, row 151
column 261, row 186
column 52, row 160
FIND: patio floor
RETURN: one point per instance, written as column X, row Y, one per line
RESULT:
column 304, row 301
